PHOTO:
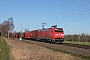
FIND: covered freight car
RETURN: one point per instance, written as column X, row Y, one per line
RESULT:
column 23, row 35
column 33, row 34
column 52, row 34
column 14, row 35
column 27, row 35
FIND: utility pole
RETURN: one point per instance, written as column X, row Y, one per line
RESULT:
column 8, row 33
column 21, row 33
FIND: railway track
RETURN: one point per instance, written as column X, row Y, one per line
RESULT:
column 74, row 45
column 71, row 45
column 72, row 48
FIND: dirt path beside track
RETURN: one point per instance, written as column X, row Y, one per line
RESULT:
column 25, row 51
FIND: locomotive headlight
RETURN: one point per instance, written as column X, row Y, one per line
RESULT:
column 56, row 34
column 62, row 34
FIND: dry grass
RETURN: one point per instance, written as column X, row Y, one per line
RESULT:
column 25, row 51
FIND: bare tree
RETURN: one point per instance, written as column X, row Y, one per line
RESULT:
column 7, row 26
column 11, row 24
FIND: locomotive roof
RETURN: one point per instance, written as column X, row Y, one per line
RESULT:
column 48, row 28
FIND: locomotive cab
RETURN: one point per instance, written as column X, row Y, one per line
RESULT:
column 58, row 34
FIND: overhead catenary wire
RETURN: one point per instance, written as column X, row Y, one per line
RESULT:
column 75, row 20
column 75, row 13
column 72, row 13
column 71, row 10
column 74, row 16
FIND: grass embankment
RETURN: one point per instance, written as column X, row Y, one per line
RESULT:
column 4, row 50
column 80, row 43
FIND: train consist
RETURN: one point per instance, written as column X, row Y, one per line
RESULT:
column 52, row 34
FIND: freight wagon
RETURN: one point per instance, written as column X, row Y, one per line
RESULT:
column 23, row 35
column 14, row 35
column 27, row 35
column 34, row 34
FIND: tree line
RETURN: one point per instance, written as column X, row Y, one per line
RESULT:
column 6, row 27
column 84, row 37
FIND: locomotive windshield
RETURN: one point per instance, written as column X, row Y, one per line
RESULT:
column 58, row 30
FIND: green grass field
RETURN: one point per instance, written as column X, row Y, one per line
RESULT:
column 81, row 43
column 4, row 50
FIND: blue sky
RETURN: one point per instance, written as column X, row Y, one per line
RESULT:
column 72, row 15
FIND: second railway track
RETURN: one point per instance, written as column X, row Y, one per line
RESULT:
column 77, row 45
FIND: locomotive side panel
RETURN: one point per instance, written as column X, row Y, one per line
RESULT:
column 44, row 34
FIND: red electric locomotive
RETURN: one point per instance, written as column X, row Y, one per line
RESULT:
column 27, row 35
column 52, row 34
